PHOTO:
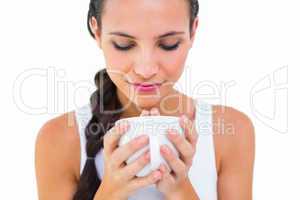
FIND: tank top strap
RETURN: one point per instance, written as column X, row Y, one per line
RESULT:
column 83, row 115
column 203, row 173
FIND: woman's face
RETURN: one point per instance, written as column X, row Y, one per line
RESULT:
column 145, row 42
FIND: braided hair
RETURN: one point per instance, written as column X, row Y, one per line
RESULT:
column 100, row 122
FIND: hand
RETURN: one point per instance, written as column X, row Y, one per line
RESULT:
column 175, row 180
column 119, row 179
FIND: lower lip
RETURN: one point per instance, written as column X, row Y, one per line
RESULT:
column 151, row 88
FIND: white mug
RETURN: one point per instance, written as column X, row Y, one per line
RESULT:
column 156, row 129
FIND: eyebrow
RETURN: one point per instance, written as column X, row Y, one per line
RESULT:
column 160, row 36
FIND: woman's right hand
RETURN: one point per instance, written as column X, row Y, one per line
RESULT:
column 119, row 180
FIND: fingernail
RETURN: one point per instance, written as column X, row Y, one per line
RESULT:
column 184, row 118
column 165, row 149
column 157, row 175
column 145, row 112
column 154, row 111
column 147, row 155
column 163, row 168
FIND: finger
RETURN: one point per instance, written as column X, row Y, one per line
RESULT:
column 166, row 175
column 164, row 169
column 154, row 111
column 185, row 148
column 112, row 137
column 133, row 168
column 189, row 129
column 122, row 153
column 174, row 162
column 145, row 181
column 145, row 113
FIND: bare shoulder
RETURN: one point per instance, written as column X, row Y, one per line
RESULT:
column 233, row 136
column 57, row 151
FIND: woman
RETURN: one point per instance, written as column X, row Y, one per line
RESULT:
column 145, row 45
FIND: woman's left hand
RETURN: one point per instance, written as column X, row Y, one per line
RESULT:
column 176, row 179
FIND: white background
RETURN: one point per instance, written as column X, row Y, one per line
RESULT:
column 246, row 43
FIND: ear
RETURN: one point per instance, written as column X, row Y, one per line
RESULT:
column 193, row 31
column 96, row 30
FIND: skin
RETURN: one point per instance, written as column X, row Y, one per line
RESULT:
column 146, row 61
column 57, row 169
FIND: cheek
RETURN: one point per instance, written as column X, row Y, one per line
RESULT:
column 117, row 65
column 115, row 61
column 173, row 64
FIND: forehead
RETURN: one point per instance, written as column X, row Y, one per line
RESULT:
column 147, row 17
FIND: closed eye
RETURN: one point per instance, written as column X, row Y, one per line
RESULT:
column 162, row 46
column 122, row 48
column 169, row 48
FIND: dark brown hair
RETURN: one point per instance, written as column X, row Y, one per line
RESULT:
column 103, row 99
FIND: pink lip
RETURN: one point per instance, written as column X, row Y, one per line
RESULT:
column 146, row 88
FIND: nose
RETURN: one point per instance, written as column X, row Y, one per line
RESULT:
column 145, row 65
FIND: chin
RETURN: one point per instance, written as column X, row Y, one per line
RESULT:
column 147, row 102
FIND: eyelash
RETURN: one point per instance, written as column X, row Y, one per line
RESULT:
column 166, row 48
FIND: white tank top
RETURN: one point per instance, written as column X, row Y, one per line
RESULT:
column 202, row 174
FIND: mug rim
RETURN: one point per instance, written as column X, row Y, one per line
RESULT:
column 153, row 117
